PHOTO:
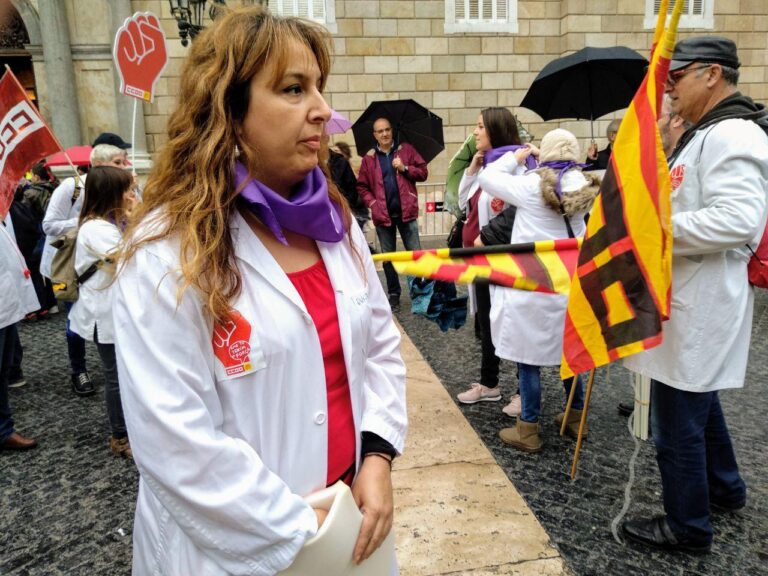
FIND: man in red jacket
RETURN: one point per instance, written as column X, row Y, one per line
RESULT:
column 387, row 184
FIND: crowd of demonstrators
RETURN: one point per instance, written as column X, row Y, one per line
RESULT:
column 598, row 160
column 720, row 179
column 18, row 300
column 61, row 216
column 241, row 258
column 387, row 184
column 496, row 128
column 108, row 200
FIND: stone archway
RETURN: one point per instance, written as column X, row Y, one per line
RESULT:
column 18, row 26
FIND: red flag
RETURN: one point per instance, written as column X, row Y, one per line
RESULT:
column 24, row 138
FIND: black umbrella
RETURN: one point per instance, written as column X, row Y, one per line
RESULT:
column 586, row 84
column 411, row 123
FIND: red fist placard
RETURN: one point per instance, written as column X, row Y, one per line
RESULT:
column 140, row 55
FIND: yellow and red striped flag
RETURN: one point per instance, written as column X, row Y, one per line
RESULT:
column 621, row 289
column 544, row 266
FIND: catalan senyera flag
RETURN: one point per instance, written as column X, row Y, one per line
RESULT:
column 24, row 138
column 544, row 266
column 621, row 289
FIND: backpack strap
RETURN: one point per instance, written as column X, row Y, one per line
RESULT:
column 92, row 269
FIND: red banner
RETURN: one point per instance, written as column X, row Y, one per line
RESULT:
column 24, row 138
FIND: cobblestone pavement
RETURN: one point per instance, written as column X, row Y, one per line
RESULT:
column 67, row 507
column 577, row 515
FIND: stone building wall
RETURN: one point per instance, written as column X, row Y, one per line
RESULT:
column 386, row 49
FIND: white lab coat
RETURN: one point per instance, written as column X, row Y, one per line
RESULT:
column 96, row 240
column 719, row 206
column 468, row 187
column 60, row 217
column 226, row 460
column 526, row 326
column 18, row 293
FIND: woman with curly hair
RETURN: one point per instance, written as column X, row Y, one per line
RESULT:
column 259, row 359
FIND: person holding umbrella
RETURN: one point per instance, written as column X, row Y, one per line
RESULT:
column 598, row 160
column 387, row 184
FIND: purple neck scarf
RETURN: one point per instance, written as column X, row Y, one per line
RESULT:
column 561, row 167
column 495, row 153
column 309, row 211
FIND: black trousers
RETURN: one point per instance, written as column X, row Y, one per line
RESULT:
column 489, row 362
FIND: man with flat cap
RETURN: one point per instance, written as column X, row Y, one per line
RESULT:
column 719, row 172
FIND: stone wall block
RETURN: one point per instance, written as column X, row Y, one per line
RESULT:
column 465, row 45
column 545, row 28
column 397, row 9
column 431, row 45
column 397, row 46
column 361, row 8
column 380, row 65
column 531, row 9
column 498, row 80
column 365, row 83
column 395, row 82
column 350, row 27
column 500, row 45
column 414, row 28
column 430, row 9
column 413, row 63
column 349, row 65
column 485, row 63
column 380, row 27
column 514, row 62
column 432, row 82
column 466, row 81
column 348, row 101
column 363, row 46
column 448, row 64
column 449, row 99
column 481, row 98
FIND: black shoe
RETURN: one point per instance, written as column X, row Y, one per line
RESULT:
column 657, row 533
column 394, row 302
column 726, row 507
column 82, row 385
column 625, row 408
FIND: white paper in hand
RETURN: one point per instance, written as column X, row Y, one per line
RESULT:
column 329, row 552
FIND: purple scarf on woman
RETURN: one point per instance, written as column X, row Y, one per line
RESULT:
column 309, row 211
column 561, row 167
column 495, row 153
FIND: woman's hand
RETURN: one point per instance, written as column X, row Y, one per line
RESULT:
column 522, row 153
column 592, row 151
column 478, row 242
column 534, row 150
column 321, row 514
column 476, row 164
column 372, row 490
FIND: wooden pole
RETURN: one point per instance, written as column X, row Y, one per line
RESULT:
column 583, row 422
column 568, row 405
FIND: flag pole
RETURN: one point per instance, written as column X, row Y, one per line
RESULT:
column 583, row 422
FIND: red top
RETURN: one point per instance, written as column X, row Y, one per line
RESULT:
column 314, row 287
column 471, row 228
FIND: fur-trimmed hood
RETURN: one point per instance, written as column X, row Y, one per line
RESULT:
column 574, row 201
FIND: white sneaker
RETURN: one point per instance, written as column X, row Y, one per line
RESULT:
column 479, row 393
column 514, row 408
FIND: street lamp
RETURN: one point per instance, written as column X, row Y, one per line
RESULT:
column 189, row 16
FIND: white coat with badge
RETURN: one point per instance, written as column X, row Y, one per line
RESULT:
column 227, row 450
column 719, row 187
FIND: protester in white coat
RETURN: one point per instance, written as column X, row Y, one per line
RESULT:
column 719, row 176
column 18, row 299
column 527, row 327
column 496, row 129
column 62, row 216
column 109, row 199
column 257, row 353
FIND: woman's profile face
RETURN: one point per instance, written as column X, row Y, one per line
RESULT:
column 482, row 141
column 284, row 123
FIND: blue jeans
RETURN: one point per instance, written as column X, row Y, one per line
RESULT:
column 111, row 388
column 529, row 378
column 409, row 232
column 8, row 337
column 75, row 346
column 695, row 457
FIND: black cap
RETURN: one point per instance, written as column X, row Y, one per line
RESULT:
column 113, row 139
column 706, row 49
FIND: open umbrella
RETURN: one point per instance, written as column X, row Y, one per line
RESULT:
column 411, row 123
column 80, row 156
column 586, row 84
column 338, row 124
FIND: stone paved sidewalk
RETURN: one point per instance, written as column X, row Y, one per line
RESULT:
column 577, row 515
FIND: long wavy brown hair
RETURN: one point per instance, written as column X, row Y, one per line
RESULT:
column 191, row 191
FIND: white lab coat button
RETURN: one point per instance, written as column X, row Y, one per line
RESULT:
column 320, row 418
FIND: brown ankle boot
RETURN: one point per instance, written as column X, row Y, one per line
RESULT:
column 120, row 447
column 572, row 427
column 524, row 436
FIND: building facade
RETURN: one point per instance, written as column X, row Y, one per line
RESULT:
column 455, row 57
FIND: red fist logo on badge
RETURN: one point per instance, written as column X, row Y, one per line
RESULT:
column 140, row 55
column 231, row 343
